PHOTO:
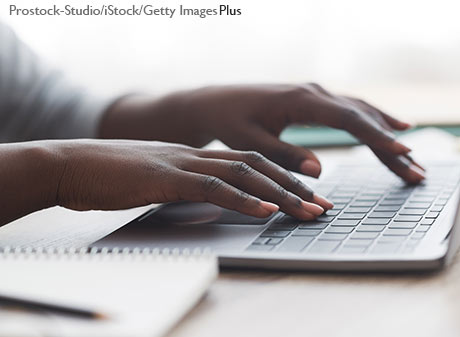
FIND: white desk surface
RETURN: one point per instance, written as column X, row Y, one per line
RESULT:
column 242, row 303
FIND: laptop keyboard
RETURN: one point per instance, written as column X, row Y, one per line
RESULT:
column 374, row 212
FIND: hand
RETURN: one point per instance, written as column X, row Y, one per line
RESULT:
column 252, row 118
column 118, row 174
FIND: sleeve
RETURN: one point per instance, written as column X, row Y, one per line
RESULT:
column 37, row 102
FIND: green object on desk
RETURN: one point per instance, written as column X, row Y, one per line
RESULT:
column 327, row 137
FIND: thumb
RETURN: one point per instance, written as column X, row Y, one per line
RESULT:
column 291, row 157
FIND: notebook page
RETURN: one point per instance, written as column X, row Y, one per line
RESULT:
column 144, row 296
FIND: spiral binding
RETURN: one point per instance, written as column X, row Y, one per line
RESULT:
column 94, row 252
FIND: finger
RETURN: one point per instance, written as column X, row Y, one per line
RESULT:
column 395, row 123
column 275, row 172
column 205, row 188
column 294, row 158
column 370, row 110
column 251, row 181
column 344, row 115
column 414, row 162
column 391, row 121
column 401, row 166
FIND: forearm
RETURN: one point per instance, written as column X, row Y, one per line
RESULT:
column 172, row 118
column 29, row 178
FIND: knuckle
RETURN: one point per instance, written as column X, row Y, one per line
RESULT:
column 295, row 182
column 242, row 197
column 349, row 112
column 241, row 168
column 254, row 157
column 210, row 184
column 316, row 86
column 282, row 193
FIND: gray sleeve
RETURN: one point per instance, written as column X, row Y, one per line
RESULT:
column 37, row 102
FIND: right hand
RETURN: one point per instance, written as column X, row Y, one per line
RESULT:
column 120, row 174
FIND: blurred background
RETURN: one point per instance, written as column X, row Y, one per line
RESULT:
column 401, row 55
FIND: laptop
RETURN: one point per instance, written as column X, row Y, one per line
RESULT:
column 378, row 223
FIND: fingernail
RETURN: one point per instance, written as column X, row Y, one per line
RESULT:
column 312, row 208
column 418, row 172
column 272, row 208
column 310, row 167
column 322, row 201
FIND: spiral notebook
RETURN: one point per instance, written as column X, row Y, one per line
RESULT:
column 143, row 293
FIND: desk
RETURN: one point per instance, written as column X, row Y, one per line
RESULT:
column 277, row 304
column 332, row 305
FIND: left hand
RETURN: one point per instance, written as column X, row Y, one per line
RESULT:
column 252, row 118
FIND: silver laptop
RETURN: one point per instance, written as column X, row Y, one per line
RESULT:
column 378, row 223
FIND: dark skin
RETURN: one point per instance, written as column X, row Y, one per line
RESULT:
column 253, row 178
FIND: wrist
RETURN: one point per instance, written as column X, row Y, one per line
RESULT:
column 44, row 168
column 172, row 118
column 30, row 178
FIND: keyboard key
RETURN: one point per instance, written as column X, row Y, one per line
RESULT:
column 392, row 202
column 306, row 232
column 441, row 202
column 340, row 200
column 399, row 195
column 382, row 214
column 428, row 222
column 357, row 210
column 408, row 218
column 260, row 248
column 368, row 198
column 417, row 236
column 386, row 248
column 423, row 205
column 412, row 211
column 436, row 208
column 363, row 204
column 288, row 220
column 408, row 225
column 340, row 230
column 431, row 215
column 387, row 208
column 333, row 236
column 339, row 194
column 424, row 199
column 325, row 218
column 332, row 212
column 364, row 236
column 423, row 228
column 338, row 206
column 351, row 216
column 397, row 232
column 324, row 247
column 386, row 239
column 359, row 243
column 370, row 228
column 260, row 241
column 282, row 227
column 274, row 241
column 303, row 232
column 350, row 223
column 352, row 250
column 426, row 194
column 374, row 193
column 295, row 244
column 313, row 225
column 275, row 234
column 376, row 221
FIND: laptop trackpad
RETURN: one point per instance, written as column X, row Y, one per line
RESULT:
column 188, row 225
